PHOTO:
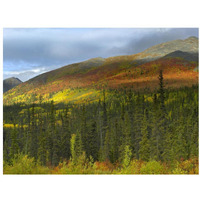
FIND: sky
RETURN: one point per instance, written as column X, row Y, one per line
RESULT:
column 28, row 52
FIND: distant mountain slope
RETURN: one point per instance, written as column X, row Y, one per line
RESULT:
column 9, row 83
column 189, row 45
column 184, row 55
column 178, row 59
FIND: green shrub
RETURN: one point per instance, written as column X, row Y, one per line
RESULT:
column 22, row 164
column 152, row 167
column 178, row 170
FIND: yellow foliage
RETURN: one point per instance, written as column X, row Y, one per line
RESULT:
column 12, row 126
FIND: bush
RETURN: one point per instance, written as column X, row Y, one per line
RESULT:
column 133, row 168
column 22, row 164
column 152, row 167
column 178, row 170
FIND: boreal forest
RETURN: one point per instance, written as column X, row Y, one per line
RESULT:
column 134, row 114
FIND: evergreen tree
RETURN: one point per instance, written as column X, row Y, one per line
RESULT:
column 144, row 151
column 105, row 126
column 179, row 142
column 33, row 134
column 14, row 149
column 106, row 147
column 56, row 149
column 114, row 142
column 42, row 149
column 127, row 156
column 83, row 128
column 126, row 138
column 155, row 137
column 51, row 131
column 137, row 124
column 77, row 148
column 65, row 136
column 194, row 145
column 92, row 142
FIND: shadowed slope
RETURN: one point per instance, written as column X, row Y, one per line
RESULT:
column 10, row 83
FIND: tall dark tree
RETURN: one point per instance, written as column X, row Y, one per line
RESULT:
column 92, row 141
column 144, row 151
column 65, row 136
column 33, row 134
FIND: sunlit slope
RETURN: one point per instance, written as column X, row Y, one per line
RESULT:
column 83, row 81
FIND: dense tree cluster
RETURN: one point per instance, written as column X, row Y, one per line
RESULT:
column 121, row 126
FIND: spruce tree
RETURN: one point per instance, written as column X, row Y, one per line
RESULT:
column 144, row 151
column 155, row 137
column 137, row 124
column 114, row 142
column 65, row 136
column 92, row 141
column 126, row 138
column 179, row 143
column 14, row 148
column 33, row 134
column 77, row 147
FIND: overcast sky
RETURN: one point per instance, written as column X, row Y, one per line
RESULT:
column 29, row 52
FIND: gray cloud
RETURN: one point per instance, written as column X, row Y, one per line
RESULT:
column 29, row 52
column 23, row 74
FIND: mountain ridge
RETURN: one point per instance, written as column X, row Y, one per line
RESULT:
column 138, row 71
column 147, row 54
column 9, row 83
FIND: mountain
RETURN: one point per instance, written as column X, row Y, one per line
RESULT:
column 184, row 55
column 189, row 45
column 80, row 81
column 10, row 83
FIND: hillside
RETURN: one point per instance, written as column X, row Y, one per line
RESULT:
column 76, row 82
column 10, row 83
column 189, row 45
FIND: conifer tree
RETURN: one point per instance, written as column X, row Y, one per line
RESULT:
column 14, row 149
column 144, row 151
column 194, row 145
column 106, row 147
column 72, row 147
column 65, row 136
column 83, row 127
column 76, row 147
column 127, row 156
column 126, row 138
column 137, row 124
column 56, row 149
column 155, row 137
column 104, row 129
column 33, row 134
column 179, row 143
column 114, row 142
column 92, row 142
column 162, row 120
column 167, row 149
column 51, row 133
column 42, row 149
